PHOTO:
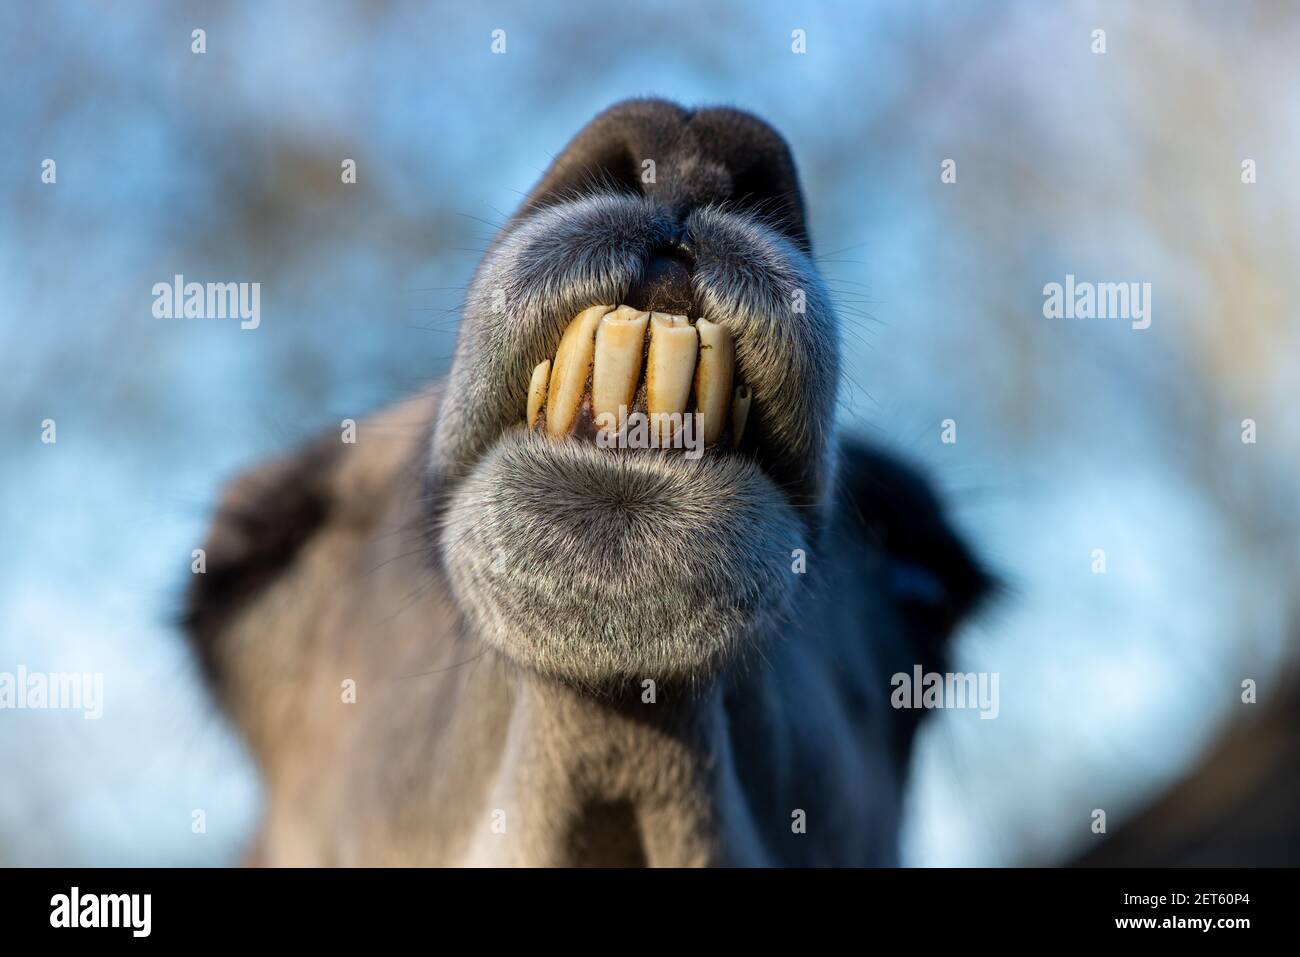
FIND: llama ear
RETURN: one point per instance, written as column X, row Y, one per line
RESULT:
column 270, row 514
column 932, row 575
column 682, row 159
column 264, row 518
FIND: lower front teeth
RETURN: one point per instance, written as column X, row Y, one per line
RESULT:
column 571, row 369
column 616, row 371
column 598, row 369
column 739, row 413
column 713, row 377
column 670, row 366
column 537, row 391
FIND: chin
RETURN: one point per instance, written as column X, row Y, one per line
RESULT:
column 602, row 566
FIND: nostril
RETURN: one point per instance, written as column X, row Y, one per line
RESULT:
column 665, row 282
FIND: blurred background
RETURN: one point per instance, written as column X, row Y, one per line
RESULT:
column 1073, row 435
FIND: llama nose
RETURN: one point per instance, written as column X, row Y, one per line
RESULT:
column 665, row 283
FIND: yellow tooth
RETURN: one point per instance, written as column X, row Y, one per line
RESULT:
column 670, row 367
column 620, row 342
column 537, row 390
column 570, row 371
column 713, row 377
column 739, row 413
